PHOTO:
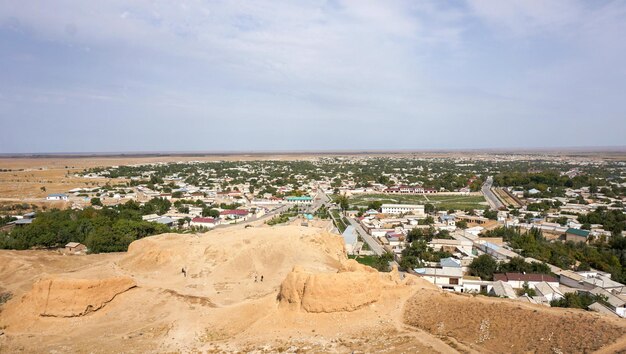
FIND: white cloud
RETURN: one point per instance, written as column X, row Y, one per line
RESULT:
column 423, row 63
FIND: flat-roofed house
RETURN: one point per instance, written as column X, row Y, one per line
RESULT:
column 403, row 209
column 447, row 278
column 57, row 196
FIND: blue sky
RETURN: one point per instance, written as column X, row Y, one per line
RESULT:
column 107, row 76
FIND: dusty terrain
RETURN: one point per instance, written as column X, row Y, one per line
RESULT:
column 311, row 299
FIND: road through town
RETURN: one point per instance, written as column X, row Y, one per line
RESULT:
column 493, row 201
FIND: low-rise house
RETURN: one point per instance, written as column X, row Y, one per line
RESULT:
column 612, row 301
column 503, row 289
column 57, row 196
column 576, row 235
column 351, row 213
column 517, row 280
column 472, row 219
column 447, row 278
column 548, row 291
column 150, row 217
column 234, row 214
column 601, row 308
column 473, row 284
column 22, row 222
column 75, row 247
column 452, row 246
column 590, row 279
column 165, row 220
column 204, row 222
column 396, row 241
column 495, row 251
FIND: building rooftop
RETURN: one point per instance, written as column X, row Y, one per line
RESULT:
column 204, row 220
column 299, row 198
column 577, row 232
column 534, row 277
column 402, row 206
column 440, row 272
column 503, row 289
column 239, row 212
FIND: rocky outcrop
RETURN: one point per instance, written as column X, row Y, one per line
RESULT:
column 347, row 290
column 68, row 297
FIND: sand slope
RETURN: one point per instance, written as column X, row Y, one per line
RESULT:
column 312, row 299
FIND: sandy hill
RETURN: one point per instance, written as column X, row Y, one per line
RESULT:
column 311, row 299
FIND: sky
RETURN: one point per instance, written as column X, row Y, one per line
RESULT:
column 162, row 75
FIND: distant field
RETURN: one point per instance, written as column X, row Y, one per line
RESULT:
column 440, row 201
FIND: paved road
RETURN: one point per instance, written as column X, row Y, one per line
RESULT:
column 318, row 200
column 493, row 201
column 374, row 245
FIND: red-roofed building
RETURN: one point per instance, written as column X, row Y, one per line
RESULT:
column 204, row 222
column 517, row 280
column 234, row 214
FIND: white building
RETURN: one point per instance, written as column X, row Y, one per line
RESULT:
column 57, row 197
column 447, row 278
column 403, row 209
column 350, row 239
column 204, row 222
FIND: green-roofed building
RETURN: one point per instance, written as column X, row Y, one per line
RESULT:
column 576, row 235
column 299, row 200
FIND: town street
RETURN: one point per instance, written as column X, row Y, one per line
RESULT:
column 493, row 201
column 374, row 245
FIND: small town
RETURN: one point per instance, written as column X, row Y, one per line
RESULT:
column 553, row 237
column 305, row 177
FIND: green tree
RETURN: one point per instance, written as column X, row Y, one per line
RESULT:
column 376, row 205
column 381, row 263
column 213, row 213
column 343, row 202
column 461, row 224
column 483, row 266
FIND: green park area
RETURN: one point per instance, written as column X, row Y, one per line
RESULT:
column 443, row 202
column 367, row 260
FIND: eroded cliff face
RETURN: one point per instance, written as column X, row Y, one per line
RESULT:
column 65, row 297
column 350, row 288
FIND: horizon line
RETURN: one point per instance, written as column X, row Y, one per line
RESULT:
column 146, row 153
